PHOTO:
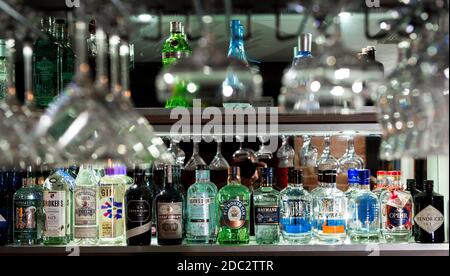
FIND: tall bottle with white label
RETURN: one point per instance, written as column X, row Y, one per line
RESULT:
column 85, row 207
column 201, row 209
column 57, row 201
column 169, row 211
column 110, row 206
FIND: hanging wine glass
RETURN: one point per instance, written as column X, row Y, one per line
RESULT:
column 219, row 167
column 245, row 159
column 350, row 160
column 308, row 153
column 286, row 156
column 264, row 155
column 193, row 163
column 327, row 161
column 178, row 153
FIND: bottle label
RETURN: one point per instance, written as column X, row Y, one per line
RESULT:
column 25, row 219
column 234, row 214
column 430, row 219
column 267, row 215
column 399, row 199
column 296, row 217
column 170, row 220
column 368, row 210
column 138, row 211
column 332, row 216
column 55, row 214
column 85, row 213
column 199, row 208
column 175, row 55
column 111, row 223
column 398, row 217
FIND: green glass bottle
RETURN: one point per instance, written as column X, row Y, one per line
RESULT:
column 176, row 48
column 45, row 65
column 58, row 196
column 233, row 203
column 3, row 70
column 66, row 55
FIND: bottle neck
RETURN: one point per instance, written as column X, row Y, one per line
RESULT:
column 196, row 149
column 237, row 48
column 202, row 176
column 219, row 149
column 364, row 187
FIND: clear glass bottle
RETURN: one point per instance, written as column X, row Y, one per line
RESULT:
column 191, row 166
column 85, row 206
column 364, row 225
column 58, row 197
column 201, row 226
column 397, row 211
column 169, row 205
column 110, row 206
column 330, row 207
column 286, row 156
column 353, row 183
column 219, row 168
column 381, row 183
column 28, row 214
column 296, row 211
column 3, row 70
column 45, row 65
column 308, row 153
column 350, row 160
column 327, row 161
column 233, row 203
column 267, row 210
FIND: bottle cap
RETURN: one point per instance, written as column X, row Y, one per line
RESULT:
column 175, row 27
column 305, row 42
column 364, row 177
column 381, row 173
column 353, row 177
column 429, row 186
column 330, row 176
column 395, row 173
column 411, row 183
column 298, row 177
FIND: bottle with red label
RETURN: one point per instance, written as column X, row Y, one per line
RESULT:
column 285, row 155
column 397, row 211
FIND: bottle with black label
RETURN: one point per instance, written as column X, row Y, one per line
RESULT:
column 429, row 221
column 138, row 200
column 169, row 205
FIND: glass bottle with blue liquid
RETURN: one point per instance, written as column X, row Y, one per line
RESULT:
column 296, row 211
column 364, row 225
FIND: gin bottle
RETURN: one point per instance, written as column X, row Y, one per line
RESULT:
column 58, row 195
column 397, row 211
column 296, row 211
column 176, row 46
column 45, row 65
column 169, row 205
column 138, row 201
column 28, row 214
column 233, row 202
column 364, row 225
column 201, row 227
column 330, row 207
column 3, row 70
column 267, row 210
column 110, row 206
column 429, row 221
column 85, row 207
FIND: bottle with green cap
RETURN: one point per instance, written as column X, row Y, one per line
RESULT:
column 3, row 70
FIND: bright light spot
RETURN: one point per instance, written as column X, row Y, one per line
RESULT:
column 145, row 18
column 399, row 125
column 410, row 29
column 168, row 78
column 154, row 151
column 331, row 61
column 386, row 117
column 27, row 51
column 138, row 147
column 114, row 40
column 406, row 92
column 315, row 86
column 358, row 87
column 413, row 36
column 124, row 50
column 342, row 74
column 385, row 26
column 157, row 141
column 121, row 149
column 337, row 91
column 192, row 88
column 345, row 16
column 446, row 72
column 227, row 91
column 410, row 124
column 207, row 19
column 257, row 79
column 207, row 70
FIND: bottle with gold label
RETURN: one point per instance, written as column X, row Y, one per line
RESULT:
column 110, row 206
column 233, row 203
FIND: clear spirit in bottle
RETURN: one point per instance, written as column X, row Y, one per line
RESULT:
column 85, row 207
column 267, row 210
column 169, row 205
column 201, row 226
column 429, row 224
column 110, row 206
column 45, row 65
column 296, row 211
column 3, row 70
column 58, row 195
column 397, row 211
column 365, row 219
column 28, row 213
column 233, row 202
column 330, row 207
column 138, row 200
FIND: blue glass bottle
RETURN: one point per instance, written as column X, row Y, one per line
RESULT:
column 296, row 211
column 237, row 49
column 365, row 217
